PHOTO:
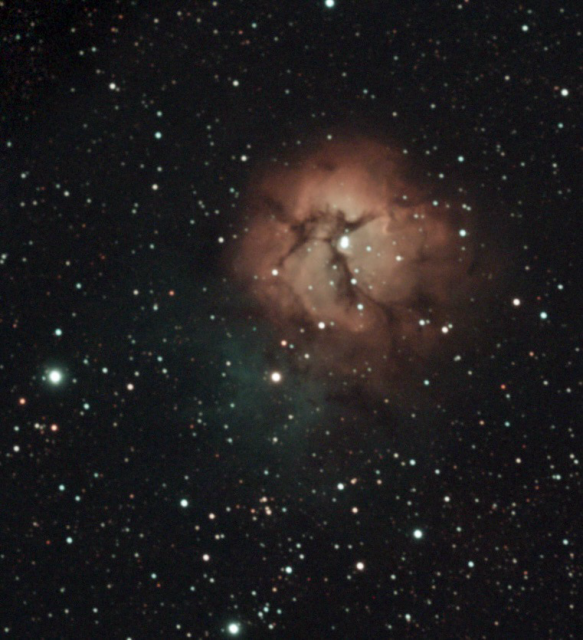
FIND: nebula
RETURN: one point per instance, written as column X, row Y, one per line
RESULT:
column 363, row 273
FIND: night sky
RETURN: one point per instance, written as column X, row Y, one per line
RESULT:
column 231, row 406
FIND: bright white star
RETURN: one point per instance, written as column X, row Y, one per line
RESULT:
column 55, row 376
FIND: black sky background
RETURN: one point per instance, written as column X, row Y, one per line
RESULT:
column 484, row 461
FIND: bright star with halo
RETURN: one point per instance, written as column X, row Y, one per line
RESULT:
column 55, row 376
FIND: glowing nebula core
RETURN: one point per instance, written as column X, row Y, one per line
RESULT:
column 352, row 262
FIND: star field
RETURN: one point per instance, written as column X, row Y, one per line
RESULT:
column 192, row 448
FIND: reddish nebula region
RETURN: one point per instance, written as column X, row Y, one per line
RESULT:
column 362, row 273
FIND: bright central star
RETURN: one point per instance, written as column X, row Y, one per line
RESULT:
column 55, row 376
